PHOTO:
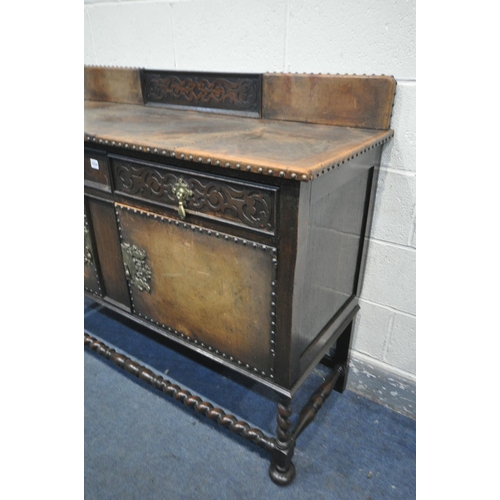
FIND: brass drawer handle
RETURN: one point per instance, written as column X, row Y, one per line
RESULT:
column 182, row 193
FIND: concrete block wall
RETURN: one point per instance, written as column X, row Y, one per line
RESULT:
column 318, row 36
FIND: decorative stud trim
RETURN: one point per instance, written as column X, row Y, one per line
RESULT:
column 290, row 174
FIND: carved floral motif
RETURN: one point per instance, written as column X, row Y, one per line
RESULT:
column 240, row 93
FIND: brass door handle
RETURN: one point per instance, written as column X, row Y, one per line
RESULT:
column 137, row 271
column 182, row 193
column 88, row 256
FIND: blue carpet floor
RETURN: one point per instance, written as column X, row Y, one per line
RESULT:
column 141, row 444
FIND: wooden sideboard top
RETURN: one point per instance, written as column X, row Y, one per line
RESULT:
column 294, row 126
column 293, row 150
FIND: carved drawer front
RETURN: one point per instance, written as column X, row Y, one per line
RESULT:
column 213, row 290
column 91, row 275
column 96, row 172
column 245, row 204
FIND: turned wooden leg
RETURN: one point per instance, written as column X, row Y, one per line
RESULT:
column 282, row 470
column 341, row 357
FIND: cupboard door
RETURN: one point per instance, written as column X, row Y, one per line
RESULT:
column 210, row 288
column 91, row 275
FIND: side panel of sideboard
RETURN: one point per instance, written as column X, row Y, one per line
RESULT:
column 333, row 235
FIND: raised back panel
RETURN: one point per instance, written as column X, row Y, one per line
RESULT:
column 346, row 101
column 237, row 94
column 112, row 85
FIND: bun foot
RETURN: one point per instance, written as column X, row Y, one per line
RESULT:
column 282, row 477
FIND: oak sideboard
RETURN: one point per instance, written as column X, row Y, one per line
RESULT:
column 231, row 213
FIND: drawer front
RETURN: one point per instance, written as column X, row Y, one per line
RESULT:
column 245, row 204
column 91, row 276
column 96, row 170
column 211, row 289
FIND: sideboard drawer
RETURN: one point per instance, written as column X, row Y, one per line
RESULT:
column 96, row 170
column 246, row 204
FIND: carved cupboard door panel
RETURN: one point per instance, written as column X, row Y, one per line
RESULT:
column 210, row 288
column 91, row 275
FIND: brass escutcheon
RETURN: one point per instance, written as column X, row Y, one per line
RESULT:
column 182, row 193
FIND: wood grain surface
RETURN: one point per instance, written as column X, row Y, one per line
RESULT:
column 272, row 148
